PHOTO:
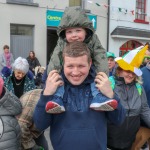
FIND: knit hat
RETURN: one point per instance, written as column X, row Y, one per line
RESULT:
column 110, row 54
column 132, row 60
column 1, row 85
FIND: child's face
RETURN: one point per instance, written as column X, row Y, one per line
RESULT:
column 75, row 34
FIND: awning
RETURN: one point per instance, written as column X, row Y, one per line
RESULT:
column 130, row 33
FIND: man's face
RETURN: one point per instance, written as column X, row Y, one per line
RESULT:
column 76, row 69
column 75, row 34
column 111, row 63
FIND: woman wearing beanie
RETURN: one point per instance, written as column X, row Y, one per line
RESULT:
column 19, row 80
column 10, row 132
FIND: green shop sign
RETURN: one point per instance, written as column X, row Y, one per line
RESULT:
column 53, row 18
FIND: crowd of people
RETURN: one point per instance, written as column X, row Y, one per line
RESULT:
column 90, row 99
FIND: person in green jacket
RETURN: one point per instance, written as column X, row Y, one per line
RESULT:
column 76, row 26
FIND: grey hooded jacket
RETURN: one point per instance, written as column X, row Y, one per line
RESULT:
column 76, row 17
column 136, row 106
column 10, row 106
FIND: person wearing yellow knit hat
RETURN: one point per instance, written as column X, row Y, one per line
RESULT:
column 132, row 60
column 126, row 84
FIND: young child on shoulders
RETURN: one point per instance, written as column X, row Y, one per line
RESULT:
column 75, row 26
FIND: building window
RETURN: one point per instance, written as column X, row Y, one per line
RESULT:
column 128, row 46
column 75, row 2
column 21, row 39
column 140, row 13
column 21, row 30
column 25, row 1
column 22, row 2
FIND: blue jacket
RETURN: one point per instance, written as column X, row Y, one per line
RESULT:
column 146, row 81
column 79, row 127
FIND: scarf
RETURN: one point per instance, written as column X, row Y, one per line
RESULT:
column 7, row 57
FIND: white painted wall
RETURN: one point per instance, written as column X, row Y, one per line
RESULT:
column 101, row 13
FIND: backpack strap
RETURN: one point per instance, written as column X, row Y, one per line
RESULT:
column 1, row 128
column 139, row 88
column 112, row 81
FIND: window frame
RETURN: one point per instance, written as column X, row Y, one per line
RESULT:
column 22, row 2
column 73, row 3
column 140, row 5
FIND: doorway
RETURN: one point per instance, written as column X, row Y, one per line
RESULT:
column 52, row 38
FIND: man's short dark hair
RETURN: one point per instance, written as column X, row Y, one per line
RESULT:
column 76, row 49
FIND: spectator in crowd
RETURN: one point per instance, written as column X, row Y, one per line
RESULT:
column 111, row 62
column 126, row 84
column 19, row 80
column 6, row 58
column 146, row 81
column 146, row 57
column 38, row 77
column 79, row 128
column 10, row 106
column 44, row 76
column 148, row 50
column 145, row 61
column 31, row 138
column 143, row 134
column 33, row 61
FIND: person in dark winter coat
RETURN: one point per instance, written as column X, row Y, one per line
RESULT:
column 10, row 132
column 33, row 61
column 79, row 127
column 38, row 77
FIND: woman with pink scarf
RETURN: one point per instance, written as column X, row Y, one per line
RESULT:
column 6, row 58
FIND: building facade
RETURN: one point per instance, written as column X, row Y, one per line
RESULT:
column 128, row 25
column 24, row 25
